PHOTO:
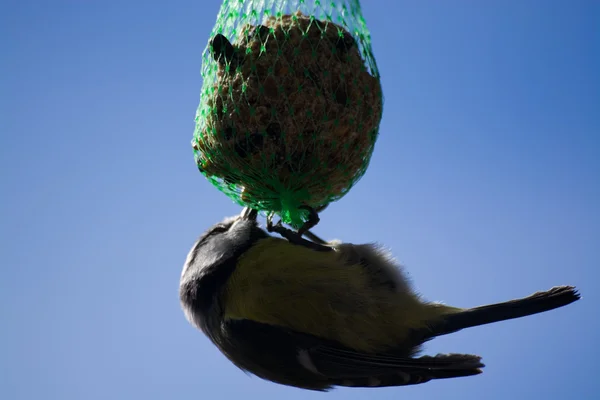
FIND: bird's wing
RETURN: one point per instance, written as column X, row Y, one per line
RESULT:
column 272, row 352
column 351, row 368
column 278, row 283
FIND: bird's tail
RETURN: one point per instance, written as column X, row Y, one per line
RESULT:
column 539, row 302
column 426, row 368
column 444, row 366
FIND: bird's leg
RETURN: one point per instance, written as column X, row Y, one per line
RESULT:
column 321, row 208
column 294, row 237
column 313, row 220
column 314, row 238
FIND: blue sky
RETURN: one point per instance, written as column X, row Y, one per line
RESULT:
column 485, row 183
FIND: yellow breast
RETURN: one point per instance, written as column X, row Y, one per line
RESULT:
column 291, row 286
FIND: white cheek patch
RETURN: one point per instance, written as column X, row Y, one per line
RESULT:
column 218, row 245
column 208, row 254
column 212, row 253
column 239, row 233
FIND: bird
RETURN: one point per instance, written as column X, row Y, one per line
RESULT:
column 318, row 315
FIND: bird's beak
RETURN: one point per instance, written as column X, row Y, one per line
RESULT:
column 249, row 214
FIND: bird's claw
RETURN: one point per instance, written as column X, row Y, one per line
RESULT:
column 270, row 226
column 294, row 237
column 313, row 220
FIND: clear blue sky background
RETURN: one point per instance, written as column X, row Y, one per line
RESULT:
column 485, row 183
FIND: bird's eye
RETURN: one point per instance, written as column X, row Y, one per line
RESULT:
column 219, row 229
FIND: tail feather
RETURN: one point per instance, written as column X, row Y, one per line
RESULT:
column 457, row 365
column 445, row 366
column 539, row 302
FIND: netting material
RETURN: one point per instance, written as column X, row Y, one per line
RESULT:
column 289, row 114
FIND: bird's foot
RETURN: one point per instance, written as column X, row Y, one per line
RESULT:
column 313, row 220
column 294, row 237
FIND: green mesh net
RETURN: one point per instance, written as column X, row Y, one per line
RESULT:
column 290, row 106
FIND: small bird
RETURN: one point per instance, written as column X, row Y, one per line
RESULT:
column 316, row 316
